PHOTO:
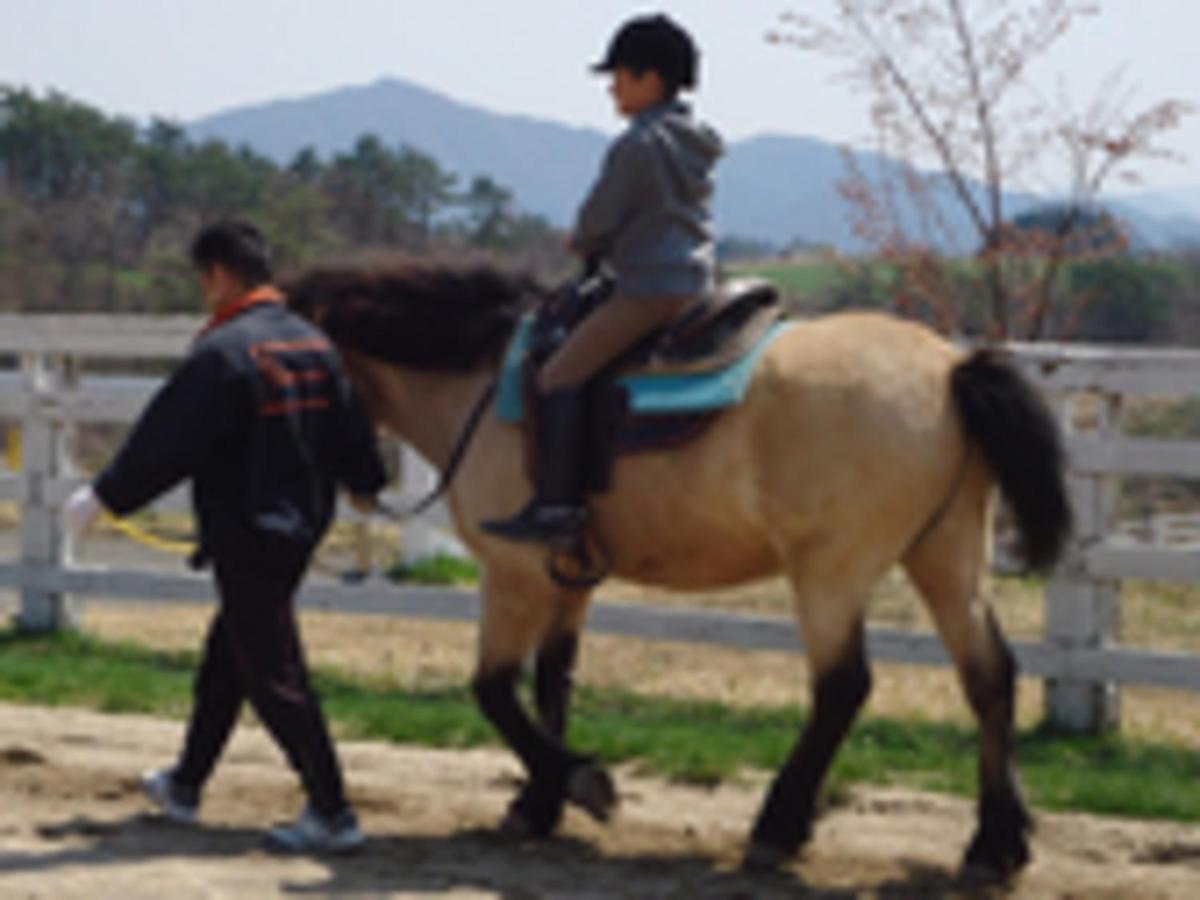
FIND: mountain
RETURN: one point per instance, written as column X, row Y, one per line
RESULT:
column 1162, row 218
column 1181, row 202
column 1155, row 227
column 545, row 164
column 778, row 188
column 772, row 188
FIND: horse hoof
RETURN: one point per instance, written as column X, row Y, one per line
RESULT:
column 591, row 788
column 762, row 857
column 989, row 865
column 984, row 875
column 514, row 825
column 533, row 813
column 989, row 873
column 975, row 875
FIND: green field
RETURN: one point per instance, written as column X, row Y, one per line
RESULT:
column 794, row 279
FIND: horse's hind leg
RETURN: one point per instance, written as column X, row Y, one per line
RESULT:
column 832, row 623
column 947, row 567
column 517, row 613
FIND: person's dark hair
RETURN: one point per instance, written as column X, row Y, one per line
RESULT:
column 655, row 44
column 238, row 246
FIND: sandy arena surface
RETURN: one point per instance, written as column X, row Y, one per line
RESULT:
column 72, row 824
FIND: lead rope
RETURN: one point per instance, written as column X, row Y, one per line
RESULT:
column 582, row 563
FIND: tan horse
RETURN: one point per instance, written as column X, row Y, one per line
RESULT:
column 864, row 441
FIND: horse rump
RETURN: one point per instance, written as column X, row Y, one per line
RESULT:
column 1020, row 438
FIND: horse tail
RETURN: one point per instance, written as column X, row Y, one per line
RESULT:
column 1019, row 436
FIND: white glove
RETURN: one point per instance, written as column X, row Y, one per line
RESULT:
column 80, row 510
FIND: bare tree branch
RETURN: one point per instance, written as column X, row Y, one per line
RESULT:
column 949, row 80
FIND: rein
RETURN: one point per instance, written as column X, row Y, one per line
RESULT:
column 576, row 565
column 456, row 457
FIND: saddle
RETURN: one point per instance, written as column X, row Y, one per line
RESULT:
column 664, row 391
column 711, row 334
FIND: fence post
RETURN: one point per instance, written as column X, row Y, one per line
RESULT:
column 42, row 546
column 1083, row 612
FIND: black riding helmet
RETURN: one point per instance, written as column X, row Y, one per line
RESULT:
column 655, row 44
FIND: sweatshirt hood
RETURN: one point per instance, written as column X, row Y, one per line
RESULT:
column 691, row 148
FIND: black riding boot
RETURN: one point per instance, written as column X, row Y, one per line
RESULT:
column 556, row 513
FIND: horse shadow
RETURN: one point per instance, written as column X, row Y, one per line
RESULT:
column 473, row 859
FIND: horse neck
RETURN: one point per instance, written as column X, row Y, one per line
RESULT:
column 430, row 409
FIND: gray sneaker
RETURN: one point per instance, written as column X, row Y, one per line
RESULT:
column 177, row 804
column 314, row 833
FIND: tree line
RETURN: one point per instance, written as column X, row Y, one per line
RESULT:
column 96, row 210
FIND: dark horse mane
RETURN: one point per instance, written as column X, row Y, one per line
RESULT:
column 428, row 314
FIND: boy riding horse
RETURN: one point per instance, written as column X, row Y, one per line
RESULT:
column 649, row 217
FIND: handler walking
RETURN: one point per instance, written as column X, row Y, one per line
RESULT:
column 261, row 417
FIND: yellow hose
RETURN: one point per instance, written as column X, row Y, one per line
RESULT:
column 146, row 539
column 137, row 534
column 12, row 459
column 12, row 450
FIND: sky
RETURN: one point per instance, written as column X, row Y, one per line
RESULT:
column 183, row 59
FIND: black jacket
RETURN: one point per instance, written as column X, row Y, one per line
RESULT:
column 262, row 418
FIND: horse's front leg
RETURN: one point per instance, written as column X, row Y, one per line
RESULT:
column 553, row 680
column 554, row 665
column 518, row 615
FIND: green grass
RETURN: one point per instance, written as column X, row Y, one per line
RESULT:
column 690, row 741
column 438, row 569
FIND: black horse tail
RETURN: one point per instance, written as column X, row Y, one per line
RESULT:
column 1020, row 438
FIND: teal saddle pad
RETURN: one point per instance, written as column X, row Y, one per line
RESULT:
column 658, row 394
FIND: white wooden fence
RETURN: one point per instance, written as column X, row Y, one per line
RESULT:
column 1080, row 657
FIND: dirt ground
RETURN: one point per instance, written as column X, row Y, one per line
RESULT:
column 72, row 824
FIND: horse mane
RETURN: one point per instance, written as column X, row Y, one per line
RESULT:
column 428, row 313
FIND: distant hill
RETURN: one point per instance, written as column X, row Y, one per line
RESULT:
column 1177, row 202
column 773, row 188
column 545, row 164
column 1162, row 218
column 777, row 188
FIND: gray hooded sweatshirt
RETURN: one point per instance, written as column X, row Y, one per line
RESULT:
column 649, row 213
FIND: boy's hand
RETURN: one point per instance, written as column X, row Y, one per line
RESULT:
column 363, row 503
column 81, row 510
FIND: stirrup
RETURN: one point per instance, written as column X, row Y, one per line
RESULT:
column 580, row 564
column 539, row 523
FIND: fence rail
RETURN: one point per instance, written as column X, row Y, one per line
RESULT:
column 1079, row 657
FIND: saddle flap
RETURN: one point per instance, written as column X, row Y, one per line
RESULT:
column 714, row 332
